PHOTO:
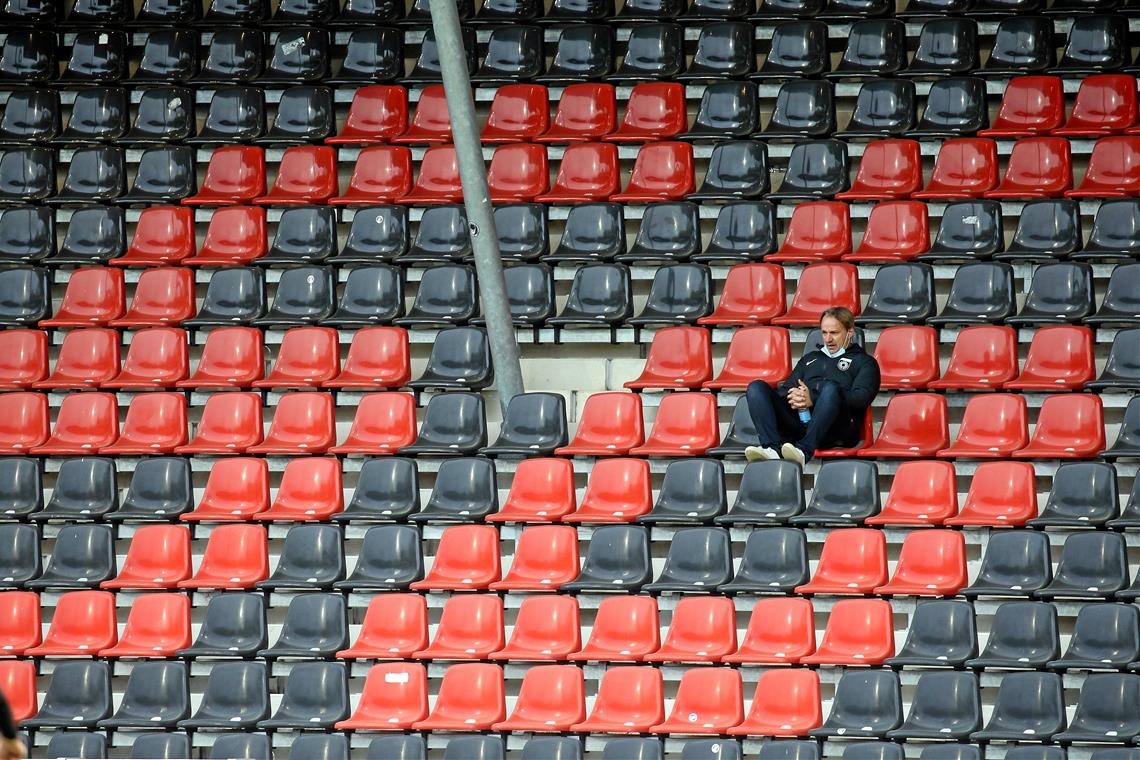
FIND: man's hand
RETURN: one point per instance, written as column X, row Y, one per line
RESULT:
column 799, row 397
column 12, row 749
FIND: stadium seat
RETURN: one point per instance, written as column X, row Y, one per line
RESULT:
column 1068, row 427
column 653, row 52
column 236, row 235
column 306, row 358
column 1038, row 167
column 163, row 116
column 534, row 424
column 305, row 175
column 966, row 167
column 442, row 237
column 156, row 695
column 163, row 235
column 446, row 297
column 1094, row 44
column 234, row 113
column 85, row 423
column 744, row 232
column 28, row 234
column 686, row 425
column 376, row 234
column 83, row 623
column 305, row 295
column 158, row 626
column 945, row 706
column 846, row 494
column 853, row 561
column 923, row 492
column 875, row 48
column 32, row 116
column 1110, row 173
column 86, row 491
column 27, row 422
column 86, row 359
column 314, row 624
column 94, row 175
column 230, row 424
column 653, row 111
column 708, row 701
column 376, row 115
column 1102, row 712
column 914, row 426
column 585, row 111
column 371, row 295
column 164, row 175
column 467, row 558
column 96, row 57
column 867, row 704
column 1015, row 564
column 545, row 557
column 698, row 559
column 1059, row 357
column 29, row 55
column 769, row 494
column 315, row 697
column 625, row 628
column 234, row 296
column 816, row 170
column 755, row 353
column 394, row 627
column 780, row 631
column 727, row 109
column 161, row 745
column 946, row 46
column 470, row 699
column 236, row 557
column 859, row 632
column 18, row 683
column 233, row 626
column 679, row 357
column 1104, row 635
column 27, row 175
column 633, row 748
column 20, row 631
column 804, row 109
column 518, row 113
column 600, row 294
column 895, row 231
column 310, row 489
column 231, row 357
column 628, row 699
column 299, row 55
column 157, row 358
column 155, row 424
column 541, row 491
column 798, row 50
column 513, row 54
column 384, row 423
column 394, row 696
column 993, row 427
column 257, row 745
column 94, row 296
column 235, row 175
column 159, row 489
column 724, row 47
column 1046, row 230
column 305, row 235
column 1001, row 493
column 1027, row 705
column 22, row 492
column 163, row 296
column 1105, row 105
column 77, row 744
column 21, row 560
column 546, row 628
column 465, row 491
column 931, row 563
column 1114, row 232
column 907, row 357
column 1120, row 303
column 821, row 286
column 551, row 698
column 77, row 696
column 942, row 633
column 889, row 169
column 460, row 359
column 983, row 357
column 884, row 108
column 1092, row 566
column 663, row 171
column 617, row 558
column 430, row 123
column 618, row 491
column 669, row 232
column 390, row 559
column 817, row 231
column 370, row 55
column 1021, row 46
column 29, row 300
column 1082, row 494
column 1127, row 442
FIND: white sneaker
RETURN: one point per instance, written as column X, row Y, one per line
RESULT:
column 792, row 454
column 760, row 453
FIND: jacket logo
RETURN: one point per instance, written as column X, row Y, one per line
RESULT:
column 844, row 364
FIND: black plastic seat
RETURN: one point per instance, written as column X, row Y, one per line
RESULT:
column 442, row 237
column 534, row 424
column 1130, row 514
column 983, row 8
column 76, row 744
column 654, row 51
column 97, row 56
column 373, row 295
column 305, row 114
column 555, row 748
column 617, row 560
column 235, row 114
column 367, row 12
column 83, row 556
column 1092, row 566
column 875, row 48
column 446, row 296
column 95, row 175
column 29, row 56
column 521, row 229
column 164, row 114
column 980, row 293
column 1046, row 231
column 305, row 295
column 967, row 231
column 738, row 170
column 27, row 234
column 591, row 232
column 582, row 52
column 720, row 9
column 398, row 747
column 902, row 294
column 743, row 232
column 305, row 235
column 454, row 424
column 427, row 67
column 475, row 748
column 27, row 175
column 724, row 48
column 234, row 296
column 945, row 706
column 390, row 559
column 867, row 704
column 233, row 626
column 1028, row 707
column 300, row 55
column 99, row 12
column 24, row 296
column 789, row 749
column 846, row 493
column 20, row 560
column 315, row 697
column 600, row 295
column 1059, row 293
column 955, row 106
column 679, row 294
column 508, row 12
column 856, row 9
column 460, row 358
column 378, row 233
column 883, row 108
column 774, row 562
column 236, row 696
column 21, row 487
column 699, row 560
column 1083, row 495
column 371, row 56
column 163, row 175
column 98, row 114
column 168, row 55
column 31, row 116
column 1022, row 45
column 157, row 695
column 30, row 13
column 1127, row 442
column 160, row 13
column 161, row 746
column 85, row 490
column 728, row 110
column 234, row 56
column 1015, row 564
column 1105, row 637
column 650, row 10
column 741, row 432
column 160, row 489
column 671, row 232
column 816, row 169
column 1022, row 635
column 320, row 746
column 942, row 633
column 769, row 494
column 798, row 49
column 946, row 47
column 387, row 488
column 1106, row 710
column 692, row 491
column 1038, row 752
column 1122, row 368
column 562, row 11
column 1115, row 234
column 514, row 54
column 95, row 234
column 1121, row 302
column 245, row 746
column 1095, row 44
column 530, row 294
column 78, row 696
column 633, row 748
column 315, row 625
column 419, row 14
column 311, row 558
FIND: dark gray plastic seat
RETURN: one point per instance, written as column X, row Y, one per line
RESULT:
column 160, row 13
column 300, row 55
column 797, row 49
column 711, row 749
column 617, row 560
column 846, row 493
column 168, row 55
column 311, row 558
column 1121, row 303
column 320, row 747
column 236, row 697
column 161, row 746
column 97, row 56
column 741, row 432
column 390, row 559
column 600, row 294
column 76, row 744
column 530, row 294
column 315, row 697
column 668, row 232
column 1058, row 293
column 1130, row 515
column 1046, row 231
column 805, row 109
column 980, row 293
column 163, row 175
column 373, row 295
column 371, row 55
column 243, row 746
column 1105, row 637
column 446, row 297
column 945, row 706
column 20, row 558
column 738, row 170
column 967, row 231
column 679, row 294
column 94, row 235
column 521, row 231
column 315, row 625
column 561, row 11
column 454, row 424
column 234, row 56
column 769, row 493
column 1022, row 45
column 1022, row 635
column 592, row 232
column 514, row 54
column 465, row 491
column 78, row 696
column 305, row 114
column 951, row 752
column 387, row 488
column 305, row 235
column 27, row 234
column 883, row 108
column 875, row 48
column 1122, row 368
column 653, row 51
column 582, row 51
column 942, row 633
column 650, row 10
column 398, row 747
column 1014, row 564
column 235, row 114
column 774, row 562
column 157, row 695
column 475, row 748
column 867, row 704
column 554, row 748
column 460, row 358
column 902, row 294
column 534, row 424
column 724, row 48
column 728, row 110
column 508, row 11
column 164, row 114
column 789, row 749
column 85, row 489
column 95, row 175
column 441, row 237
column 98, row 114
column 234, row 296
column 98, row 12
column 34, row 12
column 83, row 556
column 233, row 626
column 21, row 487
column 24, row 296
column 872, row 751
column 30, row 116
column 743, row 232
column 377, row 233
column 816, row 170
column 1115, row 234
column 418, row 14
column 856, row 9
column 27, row 175
column 301, row 12
column 633, row 748
column 305, row 296
column 1095, row 44
column 29, row 56
column 1028, row 707
column 1106, row 710
column 1083, row 495
column 699, row 560
column 946, row 46
column 427, row 67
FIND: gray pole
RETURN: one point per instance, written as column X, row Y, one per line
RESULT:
column 477, row 200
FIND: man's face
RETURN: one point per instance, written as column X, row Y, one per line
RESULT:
column 835, row 335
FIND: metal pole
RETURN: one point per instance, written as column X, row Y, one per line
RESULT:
column 477, row 200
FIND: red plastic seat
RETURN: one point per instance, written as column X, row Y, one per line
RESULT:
column 686, row 425
column 306, row 175
column 236, row 490
column 618, row 491
column 18, row 685
column 931, row 563
column 679, row 357
column 384, row 423
column 85, row 423
column 610, row 425
column 1113, row 169
column 310, row 490
column 378, row 114
column 1105, row 105
column 654, row 111
column 87, row 359
column 625, row 629
column 232, row 358
column 158, row 557
column 786, row 703
column 708, row 701
column 895, row 231
column 518, row 173
column 923, row 492
column 966, row 167
column 755, row 353
column 1060, row 358
column 914, row 425
column 907, row 357
column 586, row 112
column 83, row 623
column 467, row 558
column 230, row 424
column 438, row 180
column 1069, row 426
column 156, row 358
column 1032, row 105
column 889, row 169
column 163, row 296
column 306, row 358
column 817, row 231
column 780, row 630
column 155, row 424
column 24, row 421
column 395, row 696
column 23, row 358
column 587, row 172
column 546, row 628
column 853, row 561
column 551, row 699
column 541, row 491
column 820, row 287
column 1001, row 494
column 630, row 700
column 378, row 357
column 236, row 557
column 20, row 623
column 470, row 628
column 395, row 627
column 753, row 294
column 382, row 174
column 518, row 113
column 94, row 296
column 1038, row 167
column 546, row 556
column 663, row 171
column 470, row 699
column 158, row 626
column 984, row 356
column 164, row 235
column 859, row 632
column 431, row 122
column 235, row 175
column 303, row 423
column 993, row 427
column 703, row 629
column 236, row 236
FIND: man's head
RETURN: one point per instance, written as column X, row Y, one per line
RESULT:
column 837, row 328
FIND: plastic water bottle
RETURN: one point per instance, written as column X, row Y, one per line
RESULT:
column 805, row 416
